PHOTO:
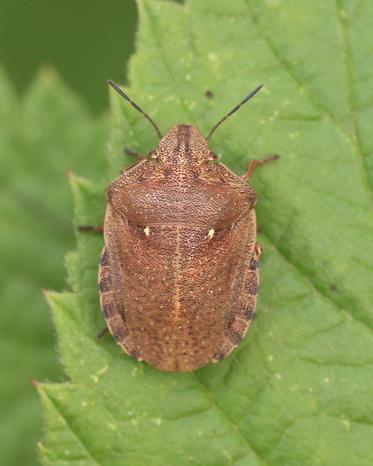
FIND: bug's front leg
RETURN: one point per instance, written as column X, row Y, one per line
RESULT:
column 137, row 155
column 91, row 228
column 133, row 153
column 253, row 164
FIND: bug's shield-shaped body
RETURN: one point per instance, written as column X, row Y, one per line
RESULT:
column 178, row 275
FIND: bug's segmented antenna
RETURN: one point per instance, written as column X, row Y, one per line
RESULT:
column 134, row 105
column 243, row 101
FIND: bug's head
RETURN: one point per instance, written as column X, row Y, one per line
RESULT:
column 182, row 144
column 185, row 144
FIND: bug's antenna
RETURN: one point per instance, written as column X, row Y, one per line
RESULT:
column 243, row 101
column 134, row 105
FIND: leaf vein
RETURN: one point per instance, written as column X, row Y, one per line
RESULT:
column 233, row 425
column 345, row 34
column 317, row 289
column 76, row 434
column 354, row 140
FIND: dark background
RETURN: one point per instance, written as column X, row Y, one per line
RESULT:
column 86, row 43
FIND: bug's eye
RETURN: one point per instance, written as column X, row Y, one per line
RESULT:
column 213, row 156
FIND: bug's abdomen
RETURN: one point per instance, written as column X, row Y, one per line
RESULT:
column 178, row 293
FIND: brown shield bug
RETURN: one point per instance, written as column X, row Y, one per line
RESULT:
column 178, row 274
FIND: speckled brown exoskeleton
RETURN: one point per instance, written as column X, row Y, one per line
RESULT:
column 178, row 274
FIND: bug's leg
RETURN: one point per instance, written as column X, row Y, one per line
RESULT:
column 91, row 228
column 137, row 155
column 100, row 335
column 253, row 164
column 133, row 153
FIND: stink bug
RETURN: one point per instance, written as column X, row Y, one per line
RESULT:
column 178, row 274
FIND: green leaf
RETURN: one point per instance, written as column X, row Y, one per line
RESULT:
column 298, row 390
column 41, row 138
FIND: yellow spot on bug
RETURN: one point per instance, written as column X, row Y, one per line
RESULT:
column 147, row 231
column 211, row 233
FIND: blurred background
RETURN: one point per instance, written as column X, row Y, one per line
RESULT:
column 86, row 42
column 44, row 45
